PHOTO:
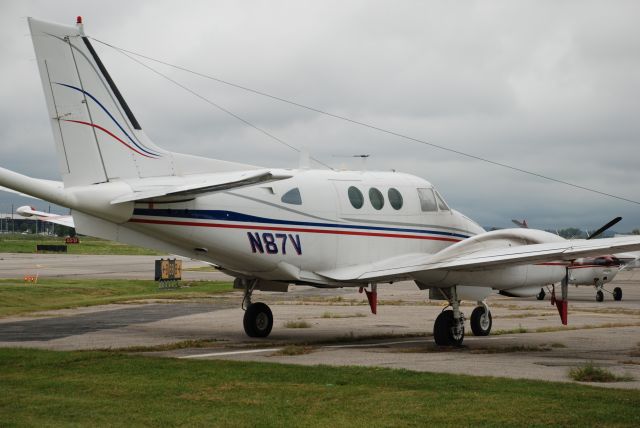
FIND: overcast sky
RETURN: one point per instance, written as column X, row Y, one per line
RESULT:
column 552, row 87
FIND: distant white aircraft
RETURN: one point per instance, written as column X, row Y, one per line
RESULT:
column 590, row 271
column 273, row 227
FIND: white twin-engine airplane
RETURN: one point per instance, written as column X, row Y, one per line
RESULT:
column 589, row 271
column 273, row 227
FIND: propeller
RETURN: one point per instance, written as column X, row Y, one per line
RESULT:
column 523, row 224
column 605, row 227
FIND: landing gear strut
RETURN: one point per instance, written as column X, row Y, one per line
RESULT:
column 599, row 285
column 448, row 330
column 258, row 319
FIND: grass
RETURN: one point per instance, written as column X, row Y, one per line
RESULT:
column 292, row 350
column 510, row 349
column 17, row 297
column 591, row 373
column 44, row 388
column 297, row 324
column 328, row 314
column 184, row 344
column 517, row 330
column 201, row 269
column 18, row 243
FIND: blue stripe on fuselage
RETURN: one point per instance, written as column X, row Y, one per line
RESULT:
column 219, row 215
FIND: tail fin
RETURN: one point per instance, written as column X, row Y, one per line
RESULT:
column 97, row 136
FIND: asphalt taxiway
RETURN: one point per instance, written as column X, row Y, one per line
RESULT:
column 528, row 340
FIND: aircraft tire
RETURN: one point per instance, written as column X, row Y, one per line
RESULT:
column 599, row 296
column 541, row 294
column 258, row 320
column 443, row 330
column 480, row 326
column 617, row 293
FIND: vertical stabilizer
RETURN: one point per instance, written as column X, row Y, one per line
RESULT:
column 97, row 137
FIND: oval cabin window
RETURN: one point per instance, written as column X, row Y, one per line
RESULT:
column 395, row 198
column 376, row 198
column 355, row 197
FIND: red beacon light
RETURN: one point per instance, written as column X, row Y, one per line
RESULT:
column 79, row 20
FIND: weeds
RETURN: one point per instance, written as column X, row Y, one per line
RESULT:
column 297, row 324
column 517, row 330
column 291, row 350
column 592, row 373
column 328, row 314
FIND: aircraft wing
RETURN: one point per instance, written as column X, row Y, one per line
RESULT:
column 458, row 258
column 64, row 220
column 147, row 189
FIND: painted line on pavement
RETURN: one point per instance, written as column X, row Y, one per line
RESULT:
column 220, row 354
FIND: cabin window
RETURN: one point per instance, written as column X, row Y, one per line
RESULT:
column 442, row 205
column 395, row 198
column 376, row 198
column 427, row 200
column 355, row 197
column 292, row 197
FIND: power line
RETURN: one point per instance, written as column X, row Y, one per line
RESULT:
column 218, row 106
column 370, row 126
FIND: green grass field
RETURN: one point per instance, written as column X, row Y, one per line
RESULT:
column 44, row 388
column 18, row 297
column 18, row 243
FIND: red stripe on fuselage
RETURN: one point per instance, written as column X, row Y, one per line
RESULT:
column 288, row 229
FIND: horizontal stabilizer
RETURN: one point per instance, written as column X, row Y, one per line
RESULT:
column 64, row 220
column 147, row 190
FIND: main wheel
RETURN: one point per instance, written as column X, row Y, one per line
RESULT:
column 445, row 331
column 617, row 293
column 541, row 294
column 481, row 322
column 258, row 320
column 599, row 296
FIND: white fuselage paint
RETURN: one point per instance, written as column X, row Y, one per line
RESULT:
column 252, row 232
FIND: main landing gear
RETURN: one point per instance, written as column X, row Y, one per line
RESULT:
column 258, row 319
column 481, row 320
column 599, row 285
column 448, row 329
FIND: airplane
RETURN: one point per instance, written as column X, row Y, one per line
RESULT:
column 591, row 271
column 270, row 227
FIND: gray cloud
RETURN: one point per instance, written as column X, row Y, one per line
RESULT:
column 546, row 86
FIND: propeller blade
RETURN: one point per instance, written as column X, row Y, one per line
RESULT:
column 605, row 227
